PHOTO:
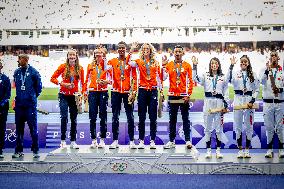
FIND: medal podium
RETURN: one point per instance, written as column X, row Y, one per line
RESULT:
column 136, row 161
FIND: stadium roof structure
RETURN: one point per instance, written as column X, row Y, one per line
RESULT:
column 52, row 14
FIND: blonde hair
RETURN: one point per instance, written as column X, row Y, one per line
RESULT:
column 152, row 51
column 94, row 58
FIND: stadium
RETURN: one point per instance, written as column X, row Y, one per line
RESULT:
column 46, row 29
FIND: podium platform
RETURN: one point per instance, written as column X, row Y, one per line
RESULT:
column 142, row 161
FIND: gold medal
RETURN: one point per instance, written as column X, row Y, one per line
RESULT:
column 148, row 77
column 122, row 77
column 245, row 90
column 178, row 81
column 214, row 92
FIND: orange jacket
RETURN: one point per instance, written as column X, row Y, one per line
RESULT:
column 61, row 72
column 91, row 78
column 122, row 85
column 154, row 81
column 184, row 88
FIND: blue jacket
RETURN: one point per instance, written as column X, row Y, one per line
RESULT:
column 5, row 90
column 33, row 86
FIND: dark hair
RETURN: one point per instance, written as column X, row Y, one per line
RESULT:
column 99, row 46
column 122, row 43
column 249, row 69
column 178, row 46
column 219, row 71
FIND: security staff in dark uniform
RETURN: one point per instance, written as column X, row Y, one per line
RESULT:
column 28, row 87
column 5, row 94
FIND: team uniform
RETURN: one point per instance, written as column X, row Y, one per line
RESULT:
column 273, row 108
column 124, row 82
column 149, row 74
column 5, row 94
column 181, row 85
column 67, row 100
column 98, row 100
column 216, row 97
column 28, row 88
column 245, row 92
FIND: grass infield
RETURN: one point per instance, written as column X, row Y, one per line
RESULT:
column 52, row 94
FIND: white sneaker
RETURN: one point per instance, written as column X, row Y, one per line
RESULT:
column 247, row 154
column 188, row 145
column 102, row 143
column 18, row 155
column 195, row 151
column 73, row 145
column 208, row 153
column 141, row 145
column 269, row 153
column 132, row 145
column 94, row 144
column 169, row 145
column 281, row 153
column 240, row 154
column 152, row 144
column 36, row 155
column 114, row 145
column 63, row 144
column 218, row 154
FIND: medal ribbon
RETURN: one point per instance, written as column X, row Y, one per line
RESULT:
column 99, row 71
column 23, row 78
column 275, row 73
column 178, row 70
column 121, row 67
column 71, row 79
column 148, row 67
column 214, row 82
column 244, row 80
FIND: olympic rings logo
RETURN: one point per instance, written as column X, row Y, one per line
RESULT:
column 118, row 166
column 10, row 135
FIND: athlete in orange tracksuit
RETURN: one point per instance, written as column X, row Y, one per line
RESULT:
column 72, row 73
column 149, row 81
column 124, row 85
column 96, row 87
column 181, row 85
